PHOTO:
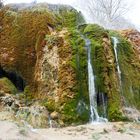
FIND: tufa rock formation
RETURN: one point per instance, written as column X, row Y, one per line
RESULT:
column 43, row 68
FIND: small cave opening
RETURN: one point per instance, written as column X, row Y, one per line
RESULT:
column 16, row 79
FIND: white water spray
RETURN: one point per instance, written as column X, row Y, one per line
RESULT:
column 115, row 42
column 94, row 116
column 92, row 93
column 50, row 122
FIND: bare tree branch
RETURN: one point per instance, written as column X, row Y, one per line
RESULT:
column 106, row 11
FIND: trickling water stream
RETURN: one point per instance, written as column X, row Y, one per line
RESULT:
column 92, row 93
column 115, row 42
column 50, row 122
column 94, row 116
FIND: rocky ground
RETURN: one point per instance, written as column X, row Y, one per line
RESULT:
column 104, row 131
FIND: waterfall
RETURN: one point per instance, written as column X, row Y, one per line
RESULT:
column 94, row 116
column 115, row 42
column 92, row 93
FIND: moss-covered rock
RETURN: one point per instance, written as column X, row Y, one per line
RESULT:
column 50, row 56
column 69, row 17
column 95, row 31
column 79, row 63
column 6, row 86
column 103, row 62
column 35, row 115
column 130, row 66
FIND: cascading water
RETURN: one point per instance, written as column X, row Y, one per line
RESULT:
column 115, row 42
column 94, row 116
column 50, row 122
column 92, row 93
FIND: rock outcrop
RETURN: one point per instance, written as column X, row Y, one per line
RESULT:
column 43, row 68
column 134, row 37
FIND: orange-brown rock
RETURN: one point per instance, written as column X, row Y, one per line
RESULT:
column 134, row 37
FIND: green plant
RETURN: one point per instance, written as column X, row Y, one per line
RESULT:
column 95, row 31
column 51, row 40
column 28, row 95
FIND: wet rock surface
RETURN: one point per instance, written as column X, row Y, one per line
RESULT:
column 12, row 109
column 132, row 113
column 134, row 37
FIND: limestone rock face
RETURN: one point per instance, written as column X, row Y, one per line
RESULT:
column 134, row 37
column 35, row 115
column 47, row 52
column 41, row 54
column 132, row 113
column 54, row 74
column 12, row 109
column 46, row 73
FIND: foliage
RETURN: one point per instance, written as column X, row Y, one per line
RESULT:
column 95, row 31
column 130, row 67
column 70, row 114
column 69, row 17
column 99, row 64
column 23, row 32
column 106, row 80
column 49, row 104
column 75, row 110
column 51, row 40
column 28, row 95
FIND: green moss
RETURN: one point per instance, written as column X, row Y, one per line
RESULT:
column 28, row 95
column 129, row 65
column 95, row 31
column 106, row 80
column 7, row 86
column 69, row 17
column 82, row 27
column 80, row 61
column 49, row 104
column 73, row 110
column 72, row 113
column 24, row 33
column 99, row 64
column 51, row 40
column 116, row 115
